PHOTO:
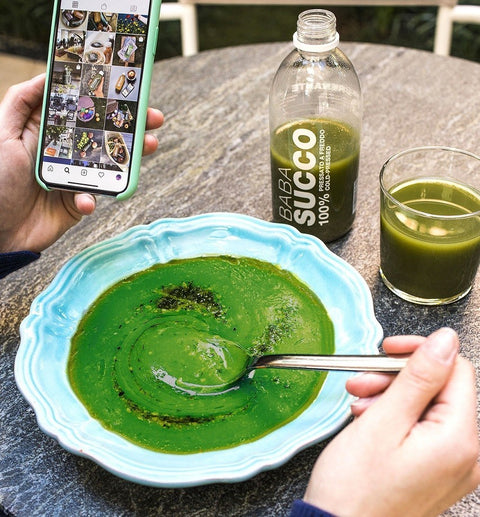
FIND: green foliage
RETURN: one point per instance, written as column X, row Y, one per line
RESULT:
column 25, row 25
column 406, row 26
column 26, row 20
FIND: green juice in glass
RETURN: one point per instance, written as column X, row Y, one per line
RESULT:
column 314, row 176
column 430, row 257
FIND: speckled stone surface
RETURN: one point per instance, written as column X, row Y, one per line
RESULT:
column 213, row 156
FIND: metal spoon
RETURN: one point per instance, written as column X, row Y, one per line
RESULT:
column 349, row 363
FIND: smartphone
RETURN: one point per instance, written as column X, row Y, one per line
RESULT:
column 99, row 70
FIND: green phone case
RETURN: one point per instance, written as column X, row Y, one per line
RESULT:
column 143, row 98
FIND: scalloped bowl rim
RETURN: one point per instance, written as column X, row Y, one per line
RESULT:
column 56, row 312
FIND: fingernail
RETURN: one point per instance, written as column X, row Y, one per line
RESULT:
column 443, row 344
column 37, row 77
column 357, row 404
column 362, row 404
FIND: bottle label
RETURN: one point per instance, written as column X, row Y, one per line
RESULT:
column 325, row 156
column 314, row 171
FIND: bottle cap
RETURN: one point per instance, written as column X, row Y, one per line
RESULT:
column 318, row 47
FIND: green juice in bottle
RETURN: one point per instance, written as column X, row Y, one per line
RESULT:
column 314, row 166
column 315, row 123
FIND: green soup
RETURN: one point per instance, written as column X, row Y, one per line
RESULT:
column 314, row 166
column 146, row 349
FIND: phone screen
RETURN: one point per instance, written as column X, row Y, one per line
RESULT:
column 94, row 84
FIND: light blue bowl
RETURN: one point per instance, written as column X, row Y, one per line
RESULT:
column 40, row 366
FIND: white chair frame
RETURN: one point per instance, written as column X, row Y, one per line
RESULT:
column 187, row 15
column 446, row 17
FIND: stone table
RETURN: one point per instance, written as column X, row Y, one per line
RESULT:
column 213, row 156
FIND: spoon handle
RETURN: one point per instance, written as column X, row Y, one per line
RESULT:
column 349, row 363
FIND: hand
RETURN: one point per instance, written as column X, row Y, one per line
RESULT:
column 30, row 217
column 99, row 91
column 413, row 448
column 369, row 387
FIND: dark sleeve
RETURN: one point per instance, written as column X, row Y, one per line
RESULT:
column 302, row 509
column 10, row 262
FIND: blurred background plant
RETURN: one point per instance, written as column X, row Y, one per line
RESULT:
column 25, row 25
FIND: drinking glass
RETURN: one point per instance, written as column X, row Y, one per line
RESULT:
column 430, row 223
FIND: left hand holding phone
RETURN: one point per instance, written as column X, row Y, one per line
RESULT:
column 30, row 217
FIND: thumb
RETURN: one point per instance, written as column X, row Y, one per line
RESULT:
column 425, row 375
column 84, row 203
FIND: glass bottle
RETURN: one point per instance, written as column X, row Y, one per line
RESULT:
column 95, row 81
column 315, row 122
